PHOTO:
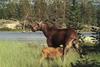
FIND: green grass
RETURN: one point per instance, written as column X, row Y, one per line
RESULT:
column 28, row 54
column 18, row 54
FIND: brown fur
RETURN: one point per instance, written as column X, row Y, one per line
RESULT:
column 55, row 37
column 51, row 53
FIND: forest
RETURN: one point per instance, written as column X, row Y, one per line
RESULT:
column 76, row 13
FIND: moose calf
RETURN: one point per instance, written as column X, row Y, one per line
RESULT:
column 51, row 53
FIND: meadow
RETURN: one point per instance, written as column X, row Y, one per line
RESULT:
column 28, row 54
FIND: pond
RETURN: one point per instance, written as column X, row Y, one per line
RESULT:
column 22, row 36
column 31, row 35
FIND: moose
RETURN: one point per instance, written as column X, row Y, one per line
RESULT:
column 51, row 53
column 67, row 37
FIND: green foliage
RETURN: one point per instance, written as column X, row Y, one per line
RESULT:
column 40, row 10
column 75, row 18
column 5, row 29
column 28, row 54
column 98, row 17
column 18, row 54
column 9, row 29
column 72, row 13
column 25, row 8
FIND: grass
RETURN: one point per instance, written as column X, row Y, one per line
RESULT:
column 18, row 54
column 28, row 54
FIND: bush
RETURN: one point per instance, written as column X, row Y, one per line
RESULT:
column 9, row 29
column 5, row 29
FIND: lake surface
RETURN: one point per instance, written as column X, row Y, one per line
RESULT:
column 22, row 36
column 30, row 35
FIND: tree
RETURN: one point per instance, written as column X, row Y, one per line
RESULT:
column 11, row 9
column 88, row 13
column 98, row 17
column 25, row 8
column 40, row 8
column 3, row 11
column 58, row 12
column 75, row 18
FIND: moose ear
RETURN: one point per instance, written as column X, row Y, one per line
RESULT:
column 40, row 22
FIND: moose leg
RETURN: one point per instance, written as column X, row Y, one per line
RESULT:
column 77, row 47
column 63, row 52
column 49, row 43
column 68, row 45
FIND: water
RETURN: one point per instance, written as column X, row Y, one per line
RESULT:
column 36, row 37
column 22, row 36
column 89, row 34
column 30, row 35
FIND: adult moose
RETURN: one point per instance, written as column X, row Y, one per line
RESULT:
column 56, row 37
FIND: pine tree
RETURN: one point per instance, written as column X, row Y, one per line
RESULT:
column 40, row 8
